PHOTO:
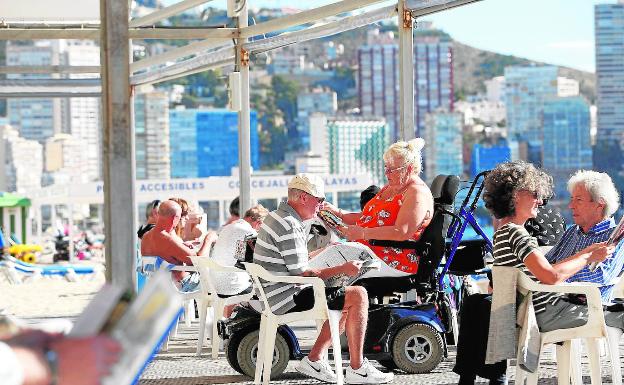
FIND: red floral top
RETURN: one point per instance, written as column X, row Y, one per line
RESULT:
column 379, row 212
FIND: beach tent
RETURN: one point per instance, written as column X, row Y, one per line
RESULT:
column 14, row 215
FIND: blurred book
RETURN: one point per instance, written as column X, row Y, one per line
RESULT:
column 139, row 324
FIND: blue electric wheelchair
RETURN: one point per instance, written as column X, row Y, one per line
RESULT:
column 411, row 335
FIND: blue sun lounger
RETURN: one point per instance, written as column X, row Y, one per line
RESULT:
column 13, row 267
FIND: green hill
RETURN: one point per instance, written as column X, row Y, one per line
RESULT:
column 472, row 66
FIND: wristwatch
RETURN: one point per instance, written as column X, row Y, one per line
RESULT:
column 52, row 360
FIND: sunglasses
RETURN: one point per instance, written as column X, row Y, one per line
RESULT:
column 389, row 170
column 318, row 200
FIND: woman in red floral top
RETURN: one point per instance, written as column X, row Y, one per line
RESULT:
column 400, row 211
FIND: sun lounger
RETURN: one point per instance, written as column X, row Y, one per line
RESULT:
column 14, row 269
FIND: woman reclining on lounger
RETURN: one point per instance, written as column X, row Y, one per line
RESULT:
column 400, row 211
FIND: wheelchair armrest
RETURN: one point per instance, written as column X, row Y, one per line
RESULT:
column 397, row 244
column 260, row 272
column 183, row 268
column 590, row 290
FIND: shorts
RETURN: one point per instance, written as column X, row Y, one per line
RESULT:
column 190, row 283
column 304, row 300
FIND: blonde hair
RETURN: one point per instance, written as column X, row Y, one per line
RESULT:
column 185, row 211
column 409, row 152
column 194, row 209
column 256, row 213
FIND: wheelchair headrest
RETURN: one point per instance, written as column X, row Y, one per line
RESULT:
column 444, row 188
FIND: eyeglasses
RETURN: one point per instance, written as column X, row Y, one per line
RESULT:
column 389, row 170
column 318, row 200
column 155, row 203
column 535, row 195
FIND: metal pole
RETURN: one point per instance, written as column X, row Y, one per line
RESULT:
column 53, row 217
column 406, row 130
column 70, row 232
column 39, row 219
column 54, row 69
column 117, row 143
column 303, row 17
column 221, row 212
column 166, row 12
column 176, row 53
column 244, row 137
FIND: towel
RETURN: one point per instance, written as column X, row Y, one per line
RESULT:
column 529, row 340
column 502, row 339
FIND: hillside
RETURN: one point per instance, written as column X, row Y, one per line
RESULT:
column 472, row 66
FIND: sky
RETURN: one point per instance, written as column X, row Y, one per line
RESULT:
column 557, row 32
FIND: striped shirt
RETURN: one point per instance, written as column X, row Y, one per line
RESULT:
column 281, row 249
column 512, row 244
column 575, row 240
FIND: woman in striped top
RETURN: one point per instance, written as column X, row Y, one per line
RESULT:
column 513, row 192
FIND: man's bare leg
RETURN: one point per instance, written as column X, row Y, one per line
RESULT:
column 356, row 308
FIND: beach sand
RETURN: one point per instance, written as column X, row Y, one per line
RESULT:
column 48, row 297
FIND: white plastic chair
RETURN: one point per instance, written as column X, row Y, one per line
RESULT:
column 613, row 339
column 591, row 332
column 270, row 321
column 610, row 346
column 149, row 265
column 204, row 265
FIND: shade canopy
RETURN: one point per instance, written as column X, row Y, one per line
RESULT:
column 13, row 200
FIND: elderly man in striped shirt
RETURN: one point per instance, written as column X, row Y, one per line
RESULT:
column 594, row 199
column 281, row 248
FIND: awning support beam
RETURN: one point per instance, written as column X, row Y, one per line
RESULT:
column 120, row 215
column 166, row 12
column 406, row 130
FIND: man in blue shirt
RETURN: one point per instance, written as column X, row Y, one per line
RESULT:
column 594, row 199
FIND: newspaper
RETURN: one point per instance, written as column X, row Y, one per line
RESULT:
column 143, row 326
column 616, row 236
column 100, row 312
column 618, row 233
column 338, row 254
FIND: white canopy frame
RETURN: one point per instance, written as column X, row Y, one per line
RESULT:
column 215, row 47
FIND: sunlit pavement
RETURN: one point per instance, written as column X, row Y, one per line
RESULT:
column 180, row 366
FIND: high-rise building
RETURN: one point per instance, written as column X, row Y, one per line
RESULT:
column 312, row 163
column 567, row 87
column 83, row 114
column 609, row 30
column 567, row 144
column 35, row 118
column 205, row 142
column 443, row 148
column 317, row 101
column 526, row 90
column 22, row 161
column 65, row 160
column 486, row 156
column 41, row 118
column 495, row 89
column 151, row 130
column 378, row 79
column 354, row 145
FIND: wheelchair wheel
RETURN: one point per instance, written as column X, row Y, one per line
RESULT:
column 417, row 348
column 231, row 350
column 248, row 350
column 388, row 364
